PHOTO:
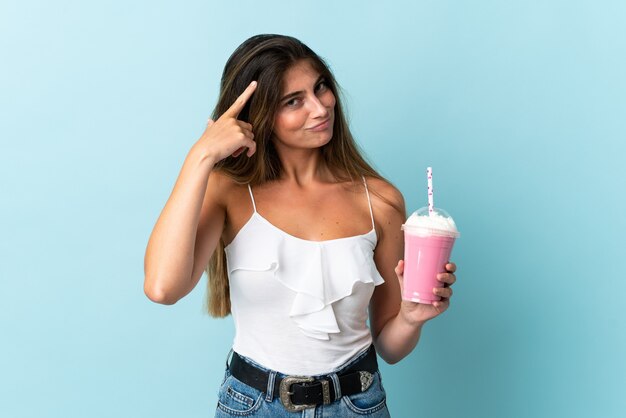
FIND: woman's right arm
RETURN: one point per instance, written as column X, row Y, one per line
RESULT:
column 191, row 223
column 170, row 254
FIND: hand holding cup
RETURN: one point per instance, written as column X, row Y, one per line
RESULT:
column 418, row 313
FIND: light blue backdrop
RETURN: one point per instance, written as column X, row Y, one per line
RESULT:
column 519, row 107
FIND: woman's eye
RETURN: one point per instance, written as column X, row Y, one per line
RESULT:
column 292, row 102
column 322, row 86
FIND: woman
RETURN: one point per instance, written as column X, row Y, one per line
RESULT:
column 301, row 236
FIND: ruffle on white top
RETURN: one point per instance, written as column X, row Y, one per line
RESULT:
column 319, row 272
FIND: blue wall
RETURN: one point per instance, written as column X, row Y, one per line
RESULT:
column 519, row 107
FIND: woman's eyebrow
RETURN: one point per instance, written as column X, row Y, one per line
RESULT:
column 296, row 93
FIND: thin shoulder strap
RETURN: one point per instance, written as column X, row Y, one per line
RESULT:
column 369, row 201
column 252, row 197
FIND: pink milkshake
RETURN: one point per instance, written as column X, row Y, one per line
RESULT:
column 428, row 241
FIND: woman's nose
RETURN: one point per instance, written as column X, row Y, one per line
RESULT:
column 318, row 110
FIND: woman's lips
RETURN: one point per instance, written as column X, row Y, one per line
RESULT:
column 321, row 127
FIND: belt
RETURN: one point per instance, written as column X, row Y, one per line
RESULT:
column 300, row 392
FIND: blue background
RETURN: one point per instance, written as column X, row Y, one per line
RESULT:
column 518, row 106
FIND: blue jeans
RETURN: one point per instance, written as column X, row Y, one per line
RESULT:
column 236, row 399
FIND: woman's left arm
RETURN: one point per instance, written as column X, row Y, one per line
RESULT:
column 396, row 324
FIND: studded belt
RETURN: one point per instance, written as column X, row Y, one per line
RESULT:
column 300, row 392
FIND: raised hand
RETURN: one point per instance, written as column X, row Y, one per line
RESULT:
column 228, row 135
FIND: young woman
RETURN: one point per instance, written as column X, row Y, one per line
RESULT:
column 300, row 238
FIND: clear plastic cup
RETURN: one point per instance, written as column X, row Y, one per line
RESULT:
column 428, row 242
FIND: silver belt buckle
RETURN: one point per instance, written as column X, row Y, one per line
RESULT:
column 285, row 392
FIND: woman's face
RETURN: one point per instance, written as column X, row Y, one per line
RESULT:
column 306, row 111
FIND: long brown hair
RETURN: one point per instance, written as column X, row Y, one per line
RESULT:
column 266, row 58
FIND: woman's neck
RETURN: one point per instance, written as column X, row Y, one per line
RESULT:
column 304, row 167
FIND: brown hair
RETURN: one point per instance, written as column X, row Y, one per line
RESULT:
column 266, row 58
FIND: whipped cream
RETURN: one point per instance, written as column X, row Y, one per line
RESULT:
column 437, row 223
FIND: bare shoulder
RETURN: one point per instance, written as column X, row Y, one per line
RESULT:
column 386, row 197
column 220, row 186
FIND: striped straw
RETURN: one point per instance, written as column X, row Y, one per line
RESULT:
column 431, row 205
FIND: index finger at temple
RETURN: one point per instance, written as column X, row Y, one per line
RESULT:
column 241, row 101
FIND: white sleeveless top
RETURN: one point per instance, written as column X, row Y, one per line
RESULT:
column 300, row 307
